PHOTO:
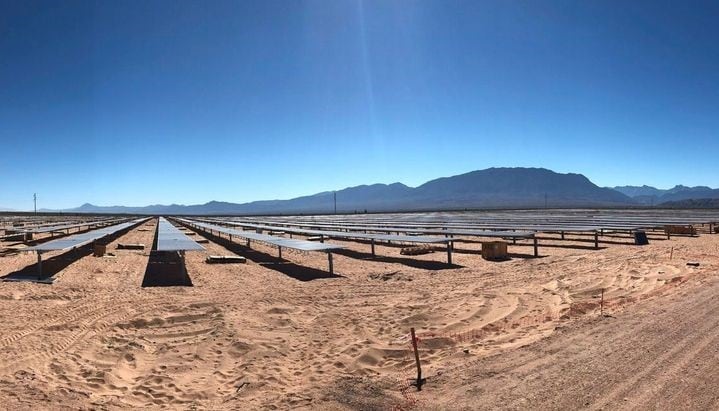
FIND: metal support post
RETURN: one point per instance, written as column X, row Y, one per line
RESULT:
column 39, row 266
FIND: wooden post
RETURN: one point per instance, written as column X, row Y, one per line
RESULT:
column 279, row 250
column 596, row 240
column 601, row 304
column 671, row 253
column 536, row 247
column 329, row 259
column 373, row 254
column 449, row 252
column 416, row 358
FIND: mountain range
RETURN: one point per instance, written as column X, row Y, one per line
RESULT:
column 693, row 203
column 489, row 188
column 647, row 195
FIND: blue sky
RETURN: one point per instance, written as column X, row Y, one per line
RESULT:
column 137, row 103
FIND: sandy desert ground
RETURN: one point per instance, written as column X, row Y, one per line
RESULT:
column 520, row 334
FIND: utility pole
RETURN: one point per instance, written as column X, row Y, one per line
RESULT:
column 34, row 200
column 335, row 196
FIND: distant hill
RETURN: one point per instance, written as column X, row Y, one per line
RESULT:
column 693, row 203
column 516, row 187
column 643, row 191
column 647, row 195
column 490, row 188
column 690, row 193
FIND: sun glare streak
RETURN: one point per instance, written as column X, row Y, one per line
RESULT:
column 377, row 136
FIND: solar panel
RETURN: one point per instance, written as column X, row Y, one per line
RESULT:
column 403, row 238
column 169, row 238
column 64, row 227
column 440, row 231
column 301, row 245
column 269, row 239
column 485, row 229
column 488, row 230
column 78, row 240
column 347, row 234
column 351, row 235
column 545, row 221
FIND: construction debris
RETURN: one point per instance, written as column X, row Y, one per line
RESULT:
column 417, row 250
column 225, row 259
column 121, row 246
column 680, row 229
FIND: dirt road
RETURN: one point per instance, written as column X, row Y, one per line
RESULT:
column 661, row 354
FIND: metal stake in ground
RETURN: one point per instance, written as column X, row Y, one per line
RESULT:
column 420, row 380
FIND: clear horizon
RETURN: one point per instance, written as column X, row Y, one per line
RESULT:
column 184, row 102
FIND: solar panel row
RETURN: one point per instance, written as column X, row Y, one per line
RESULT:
column 79, row 240
column 265, row 238
column 279, row 242
column 553, row 220
column 169, row 238
column 388, row 228
column 65, row 227
column 357, row 236
column 432, row 228
column 448, row 234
